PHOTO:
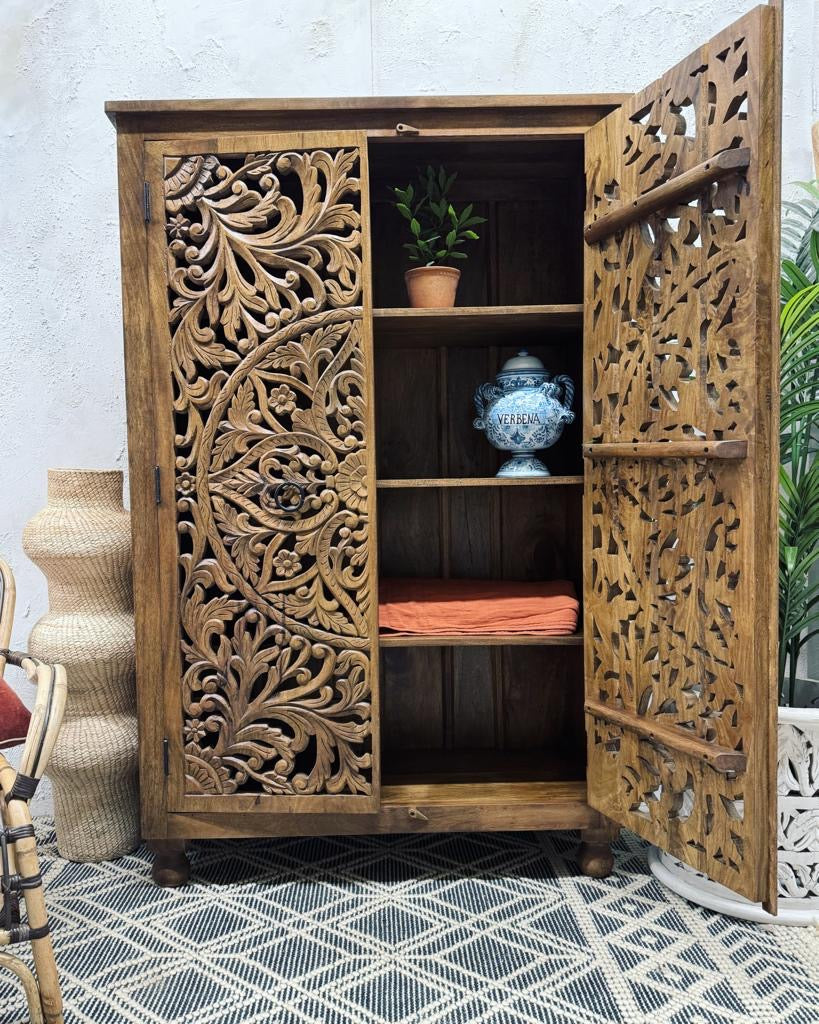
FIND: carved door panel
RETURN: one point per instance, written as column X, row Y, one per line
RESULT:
column 681, row 363
column 261, row 325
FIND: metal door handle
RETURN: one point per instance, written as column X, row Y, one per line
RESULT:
column 288, row 496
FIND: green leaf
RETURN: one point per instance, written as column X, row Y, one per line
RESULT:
column 471, row 235
column 404, row 210
column 409, row 194
column 439, row 255
column 415, row 227
column 441, row 178
column 458, row 255
column 451, row 238
column 789, row 554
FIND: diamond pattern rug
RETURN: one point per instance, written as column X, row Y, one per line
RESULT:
column 417, row 929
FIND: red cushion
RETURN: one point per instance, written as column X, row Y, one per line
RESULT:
column 14, row 717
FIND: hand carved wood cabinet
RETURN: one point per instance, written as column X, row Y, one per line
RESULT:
column 296, row 433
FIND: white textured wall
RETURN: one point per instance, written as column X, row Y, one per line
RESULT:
column 60, row 336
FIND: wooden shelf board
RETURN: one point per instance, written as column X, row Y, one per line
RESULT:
column 481, row 481
column 492, row 793
column 482, row 640
column 473, row 325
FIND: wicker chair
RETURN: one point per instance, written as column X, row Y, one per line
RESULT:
column 19, row 866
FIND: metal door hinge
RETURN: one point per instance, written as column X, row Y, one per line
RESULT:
column 406, row 129
column 146, row 201
column 166, row 758
column 157, row 486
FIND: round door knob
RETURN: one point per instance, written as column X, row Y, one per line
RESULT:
column 289, row 495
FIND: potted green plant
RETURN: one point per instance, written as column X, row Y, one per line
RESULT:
column 438, row 233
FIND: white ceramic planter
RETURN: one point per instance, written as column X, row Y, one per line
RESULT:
column 798, row 840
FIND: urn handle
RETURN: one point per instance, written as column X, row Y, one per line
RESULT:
column 484, row 395
column 567, row 384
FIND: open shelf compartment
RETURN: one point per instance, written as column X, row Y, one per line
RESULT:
column 468, row 721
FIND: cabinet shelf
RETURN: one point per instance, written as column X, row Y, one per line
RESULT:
column 551, row 804
column 481, row 481
column 481, row 640
column 473, row 326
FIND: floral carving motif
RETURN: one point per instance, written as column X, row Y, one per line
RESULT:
column 264, row 273
column 798, row 788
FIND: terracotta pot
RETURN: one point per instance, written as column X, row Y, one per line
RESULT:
column 432, row 287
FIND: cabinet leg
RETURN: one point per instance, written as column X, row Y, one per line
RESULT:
column 595, row 857
column 171, row 865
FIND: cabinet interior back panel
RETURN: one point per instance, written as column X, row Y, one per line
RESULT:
column 482, row 712
column 532, row 194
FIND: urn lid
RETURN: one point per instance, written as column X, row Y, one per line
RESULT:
column 522, row 363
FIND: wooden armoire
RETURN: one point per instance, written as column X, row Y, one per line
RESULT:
column 295, row 432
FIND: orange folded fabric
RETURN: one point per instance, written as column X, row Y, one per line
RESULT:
column 439, row 607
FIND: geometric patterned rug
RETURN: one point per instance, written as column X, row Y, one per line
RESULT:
column 414, row 929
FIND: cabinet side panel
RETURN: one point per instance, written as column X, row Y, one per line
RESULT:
column 141, row 413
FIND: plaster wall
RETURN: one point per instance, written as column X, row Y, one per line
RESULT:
column 60, row 332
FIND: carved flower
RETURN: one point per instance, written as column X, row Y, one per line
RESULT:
column 195, row 730
column 185, row 483
column 178, row 226
column 206, row 773
column 283, row 399
column 187, row 179
column 351, row 481
column 287, row 563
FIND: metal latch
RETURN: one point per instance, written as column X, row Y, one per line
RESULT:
column 406, row 129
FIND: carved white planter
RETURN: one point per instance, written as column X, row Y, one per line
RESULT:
column 798, row 840
column 82, row 542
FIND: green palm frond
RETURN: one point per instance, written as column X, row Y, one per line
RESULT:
column 799, row 437
column 800, row 223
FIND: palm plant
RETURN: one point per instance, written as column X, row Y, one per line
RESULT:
column 800, row 222
column 799, row 440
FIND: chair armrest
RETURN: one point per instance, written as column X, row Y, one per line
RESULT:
column 46, row 718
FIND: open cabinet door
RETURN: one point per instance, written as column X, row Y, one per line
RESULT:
column 259, row 276
column 681, row 446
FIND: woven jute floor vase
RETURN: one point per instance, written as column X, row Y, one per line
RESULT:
column 82, row 542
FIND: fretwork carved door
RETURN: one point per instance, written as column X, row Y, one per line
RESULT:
column 259, row 273
column 681, row 443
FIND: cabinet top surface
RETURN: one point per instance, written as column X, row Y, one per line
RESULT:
column 117, row 108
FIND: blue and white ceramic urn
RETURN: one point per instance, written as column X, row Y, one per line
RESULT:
column 523, row 412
